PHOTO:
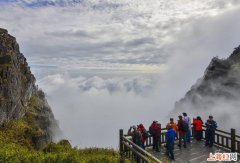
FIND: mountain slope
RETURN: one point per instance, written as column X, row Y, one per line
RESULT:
column 20, row 98
column 216, row 93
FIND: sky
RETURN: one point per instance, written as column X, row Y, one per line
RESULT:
column 107, row 64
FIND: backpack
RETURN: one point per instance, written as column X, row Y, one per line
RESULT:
column 145, row 135
column 136, row 137
column 151, row 130
column 185, row 127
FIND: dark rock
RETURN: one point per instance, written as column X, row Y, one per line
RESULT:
column 18, row 87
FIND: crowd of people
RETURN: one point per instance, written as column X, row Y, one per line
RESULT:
column 181, row 130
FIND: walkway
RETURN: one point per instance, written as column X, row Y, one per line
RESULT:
column 196, row 152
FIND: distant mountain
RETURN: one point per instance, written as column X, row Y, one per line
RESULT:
column 216, row 93
column 20, row 99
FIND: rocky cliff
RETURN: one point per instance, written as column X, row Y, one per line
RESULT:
column 19, row 96
column 217, row 92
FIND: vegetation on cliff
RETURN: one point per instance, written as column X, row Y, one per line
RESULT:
column 55, row 153
column 18, row 143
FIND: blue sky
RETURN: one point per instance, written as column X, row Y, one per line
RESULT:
column 98, row 59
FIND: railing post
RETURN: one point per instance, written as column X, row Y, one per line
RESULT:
column 193, row 129
column 160, row 141
column 121, row 148
column 233, row 140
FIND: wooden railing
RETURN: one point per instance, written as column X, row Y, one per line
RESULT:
column 128, row 150
column 134, row 153
column 227, row 140
column 223, row 139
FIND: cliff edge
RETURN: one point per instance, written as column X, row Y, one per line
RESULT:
column 216, row 93
column 20, row 99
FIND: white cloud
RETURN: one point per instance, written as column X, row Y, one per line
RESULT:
column 90, row 106
column 134, row 32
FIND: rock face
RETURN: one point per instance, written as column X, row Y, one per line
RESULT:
column 217, row 92
column 17, row 87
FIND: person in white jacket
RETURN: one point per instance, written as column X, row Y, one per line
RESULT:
column 188, row 121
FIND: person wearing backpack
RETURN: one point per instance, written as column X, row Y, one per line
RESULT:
column 211, row 126
column 182, row 129
column 188, row 121
column 155, row 131
column 144, row 135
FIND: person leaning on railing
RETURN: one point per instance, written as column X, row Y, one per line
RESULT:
column 198, row 130
column 136, row 135
column 211, row 126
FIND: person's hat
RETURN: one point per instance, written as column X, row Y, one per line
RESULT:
column 140, row 125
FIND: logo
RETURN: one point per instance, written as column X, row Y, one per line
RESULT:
column 223, row 157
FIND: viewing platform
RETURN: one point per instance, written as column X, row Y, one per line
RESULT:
column 195, row 152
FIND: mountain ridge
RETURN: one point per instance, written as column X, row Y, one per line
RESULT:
column 216, row 93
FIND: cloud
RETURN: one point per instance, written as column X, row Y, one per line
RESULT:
column 137, row 30
column 95, row 105
column 136, row 85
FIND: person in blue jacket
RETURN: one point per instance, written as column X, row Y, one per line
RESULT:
column 170, row 137
column 211, row 126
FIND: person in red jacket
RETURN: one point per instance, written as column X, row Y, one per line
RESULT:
column 198, row 123
column 155, row 131
column 144, row 134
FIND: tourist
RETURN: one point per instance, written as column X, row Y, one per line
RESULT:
column 155, row 131
column 144, row 134
column 170, row 137
column 174, row 126
column 188, row 121
column 211, row 126
column 198, row 130
column 182, row 129
column 136, row 135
